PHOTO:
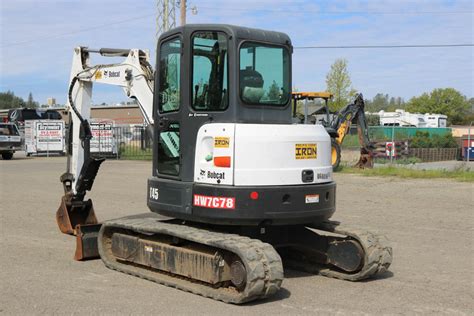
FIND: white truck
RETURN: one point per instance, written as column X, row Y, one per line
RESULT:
column 10, row 140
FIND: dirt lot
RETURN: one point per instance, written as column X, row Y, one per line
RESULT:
column 430, row 224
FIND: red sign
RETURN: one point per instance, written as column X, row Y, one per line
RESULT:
column 390, row 149
column 214, row 201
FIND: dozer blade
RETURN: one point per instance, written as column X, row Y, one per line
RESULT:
column 70, row 214
column 86, row 242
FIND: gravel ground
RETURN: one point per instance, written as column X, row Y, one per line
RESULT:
column 429, row 222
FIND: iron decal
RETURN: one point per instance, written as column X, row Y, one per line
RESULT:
column 306, row 151
column 221, row 142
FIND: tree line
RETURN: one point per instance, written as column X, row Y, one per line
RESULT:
column 8, row 100
column 447, row 101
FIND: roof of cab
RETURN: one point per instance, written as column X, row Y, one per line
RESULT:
column 240, row 32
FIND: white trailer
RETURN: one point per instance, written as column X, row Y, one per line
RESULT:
column 103, row 139
column 44, row 137
column 436, row 120
column 402, row 118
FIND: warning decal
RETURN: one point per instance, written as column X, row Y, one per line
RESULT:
column 311, row 198
column 305, row 151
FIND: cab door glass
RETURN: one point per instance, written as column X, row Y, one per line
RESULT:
column 169, row 72
column 169, row 150
column 209, row 78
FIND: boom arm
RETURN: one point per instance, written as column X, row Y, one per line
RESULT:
column 135, row 76
column 342, row 122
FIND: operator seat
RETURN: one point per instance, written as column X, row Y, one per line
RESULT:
column 251, row 86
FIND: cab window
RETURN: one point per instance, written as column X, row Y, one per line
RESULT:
column 169, row 71
column 8, row 130
column 264, row 75
column 209, row 78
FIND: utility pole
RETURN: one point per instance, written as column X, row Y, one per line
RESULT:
column 166, row 18
column 182, row 4
column 165, row 15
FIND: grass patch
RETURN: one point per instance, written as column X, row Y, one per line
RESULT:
column 399, row 161
column 134, row 153
column 351, row 141
column 391, row 171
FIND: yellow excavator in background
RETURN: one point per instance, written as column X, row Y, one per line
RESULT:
column 337, row 124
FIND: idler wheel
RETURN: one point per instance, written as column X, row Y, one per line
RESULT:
column 238, row 274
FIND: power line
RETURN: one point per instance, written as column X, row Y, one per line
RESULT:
column 384, row 46
column 303, row 10
column 296, row 47
column 77, row 31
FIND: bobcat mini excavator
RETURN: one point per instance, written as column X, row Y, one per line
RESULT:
column 247, row 191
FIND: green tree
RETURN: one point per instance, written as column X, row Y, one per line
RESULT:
column 274, row 92
column 31, row 102
column 338, row 82
column 383, row 102
column 373, row 120
column 395, row 103
column 378, row 102
column 8, row 100
column 447, row 101
column 424, row 140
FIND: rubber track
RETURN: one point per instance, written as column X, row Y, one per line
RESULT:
column 263, row 264
column 377, row 253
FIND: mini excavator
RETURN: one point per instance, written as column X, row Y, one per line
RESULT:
column 245, row 192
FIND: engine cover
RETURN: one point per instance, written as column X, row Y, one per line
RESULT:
column 262, row 154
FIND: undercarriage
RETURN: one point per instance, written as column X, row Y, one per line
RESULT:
column 236, row 264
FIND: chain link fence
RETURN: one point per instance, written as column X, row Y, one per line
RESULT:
column 401, row 148
column 121, row 142
column 135, row 142
column 434, row 154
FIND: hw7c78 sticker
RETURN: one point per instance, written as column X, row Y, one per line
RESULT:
column 214, row 201
column 306, row 151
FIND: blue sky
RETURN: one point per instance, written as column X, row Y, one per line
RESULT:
column 37, row 38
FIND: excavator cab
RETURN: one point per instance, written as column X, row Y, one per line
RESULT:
column 223, row 109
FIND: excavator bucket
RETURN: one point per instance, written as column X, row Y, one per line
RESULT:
column 366, row 153
column 70, row 214
column 365, row 160
column 78, row 218
column 86, row 242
